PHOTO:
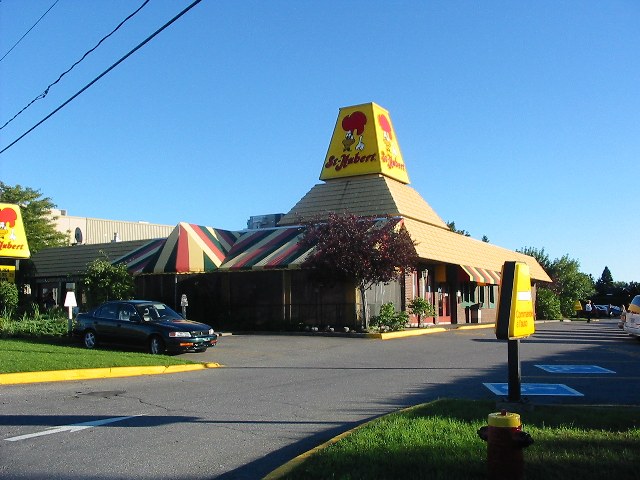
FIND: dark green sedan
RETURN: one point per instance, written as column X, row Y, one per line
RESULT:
column 145, row 323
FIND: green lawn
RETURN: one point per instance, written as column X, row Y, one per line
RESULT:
column 439, row 441
column 17, row 355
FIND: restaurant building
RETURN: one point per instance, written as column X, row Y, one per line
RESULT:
column 251, row 279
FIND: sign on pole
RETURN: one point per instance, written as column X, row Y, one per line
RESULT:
column 184, row 303
column 70, row 302
column 515, row 318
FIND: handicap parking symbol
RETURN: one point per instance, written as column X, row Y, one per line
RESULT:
column 531, row 389
column 574, row 369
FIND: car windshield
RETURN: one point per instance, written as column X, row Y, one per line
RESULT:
column 156, row 311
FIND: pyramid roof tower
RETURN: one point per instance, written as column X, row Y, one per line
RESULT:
column 364, row 174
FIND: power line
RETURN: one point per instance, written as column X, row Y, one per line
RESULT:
column 140, row 45
column 46, row 91
column 27, row 32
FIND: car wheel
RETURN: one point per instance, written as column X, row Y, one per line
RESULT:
column 156, row 345
column 89, row 338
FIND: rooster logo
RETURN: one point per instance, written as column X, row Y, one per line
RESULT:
column 7, row 223
column 351, row 124
column 387, row 135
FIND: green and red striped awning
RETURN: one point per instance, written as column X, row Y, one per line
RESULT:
column 275, row 248
column 192, row 249
column 138, row 259
column 481, row 275
column 266, row 249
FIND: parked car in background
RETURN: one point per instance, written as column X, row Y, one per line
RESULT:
column 601, row 311
column 632, row 318
column 144, row 323
column 614, row 311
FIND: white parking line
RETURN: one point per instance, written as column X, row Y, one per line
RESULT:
column 76, row 427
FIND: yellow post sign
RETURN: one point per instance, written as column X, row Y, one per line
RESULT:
column 515, row 318
column 13, row 241
column 7, row 273
column 364, row 142
column 577, row 306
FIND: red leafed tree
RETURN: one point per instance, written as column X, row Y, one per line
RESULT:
column 365, row 250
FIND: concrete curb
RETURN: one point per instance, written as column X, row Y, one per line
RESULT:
column 96, row 373
column 424, row 331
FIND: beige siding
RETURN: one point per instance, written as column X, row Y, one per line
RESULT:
column 96, row 230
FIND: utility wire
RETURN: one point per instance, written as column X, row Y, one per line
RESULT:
column 46, row 91
column 140, row 45
column 32, row 27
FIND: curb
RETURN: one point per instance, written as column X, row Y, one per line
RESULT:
column 292, row 464
column 425, row 331
column 95, row 373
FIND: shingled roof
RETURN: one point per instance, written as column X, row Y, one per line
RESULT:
column 73, row 260
column 368, row 195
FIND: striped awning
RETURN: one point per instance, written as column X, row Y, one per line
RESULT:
column 481, row 275
column 140, row 257
column 266, row 249
column 276, row 248
column 192, row 249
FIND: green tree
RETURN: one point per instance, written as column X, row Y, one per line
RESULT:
column 569, row 283
column 8, row 298
column 105, row 281
column 547, row 305
column 452, row 227
column 358, row 249
column 421, row 308
column 540, row 255
column 39, row 225
column 605, row 283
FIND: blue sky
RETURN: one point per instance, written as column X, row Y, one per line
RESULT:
column 517, row 120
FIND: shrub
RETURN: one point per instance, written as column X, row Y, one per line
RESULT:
column 389, row 319
column 105, row 281
column 51, row 324
column 547, row 305
column 421, row 308
column 8, row 298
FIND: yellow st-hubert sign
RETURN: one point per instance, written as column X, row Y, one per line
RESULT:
column 364, row 142
column 13, row 241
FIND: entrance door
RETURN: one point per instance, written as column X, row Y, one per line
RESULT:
column 443, row 303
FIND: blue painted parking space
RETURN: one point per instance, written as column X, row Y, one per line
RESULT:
column 574, row 369
column 531, row 389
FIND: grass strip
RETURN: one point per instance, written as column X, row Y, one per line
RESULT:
column 18, row 355
column 439, row 441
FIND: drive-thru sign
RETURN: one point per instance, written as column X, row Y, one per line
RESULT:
column 515, row 306
column 515, row 318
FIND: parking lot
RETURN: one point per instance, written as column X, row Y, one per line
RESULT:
column 278, row 396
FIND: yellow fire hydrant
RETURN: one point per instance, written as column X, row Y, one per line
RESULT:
column 505, row 442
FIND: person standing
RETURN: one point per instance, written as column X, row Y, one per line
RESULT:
column 588, row 310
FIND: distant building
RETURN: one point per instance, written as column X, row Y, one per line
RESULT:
column 89, row 231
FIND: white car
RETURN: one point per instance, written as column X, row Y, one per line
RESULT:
column 632, row 318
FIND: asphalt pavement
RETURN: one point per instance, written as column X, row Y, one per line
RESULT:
column 277, row 396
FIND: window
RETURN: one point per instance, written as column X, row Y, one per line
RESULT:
column 126, row 312
column 109, row 311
